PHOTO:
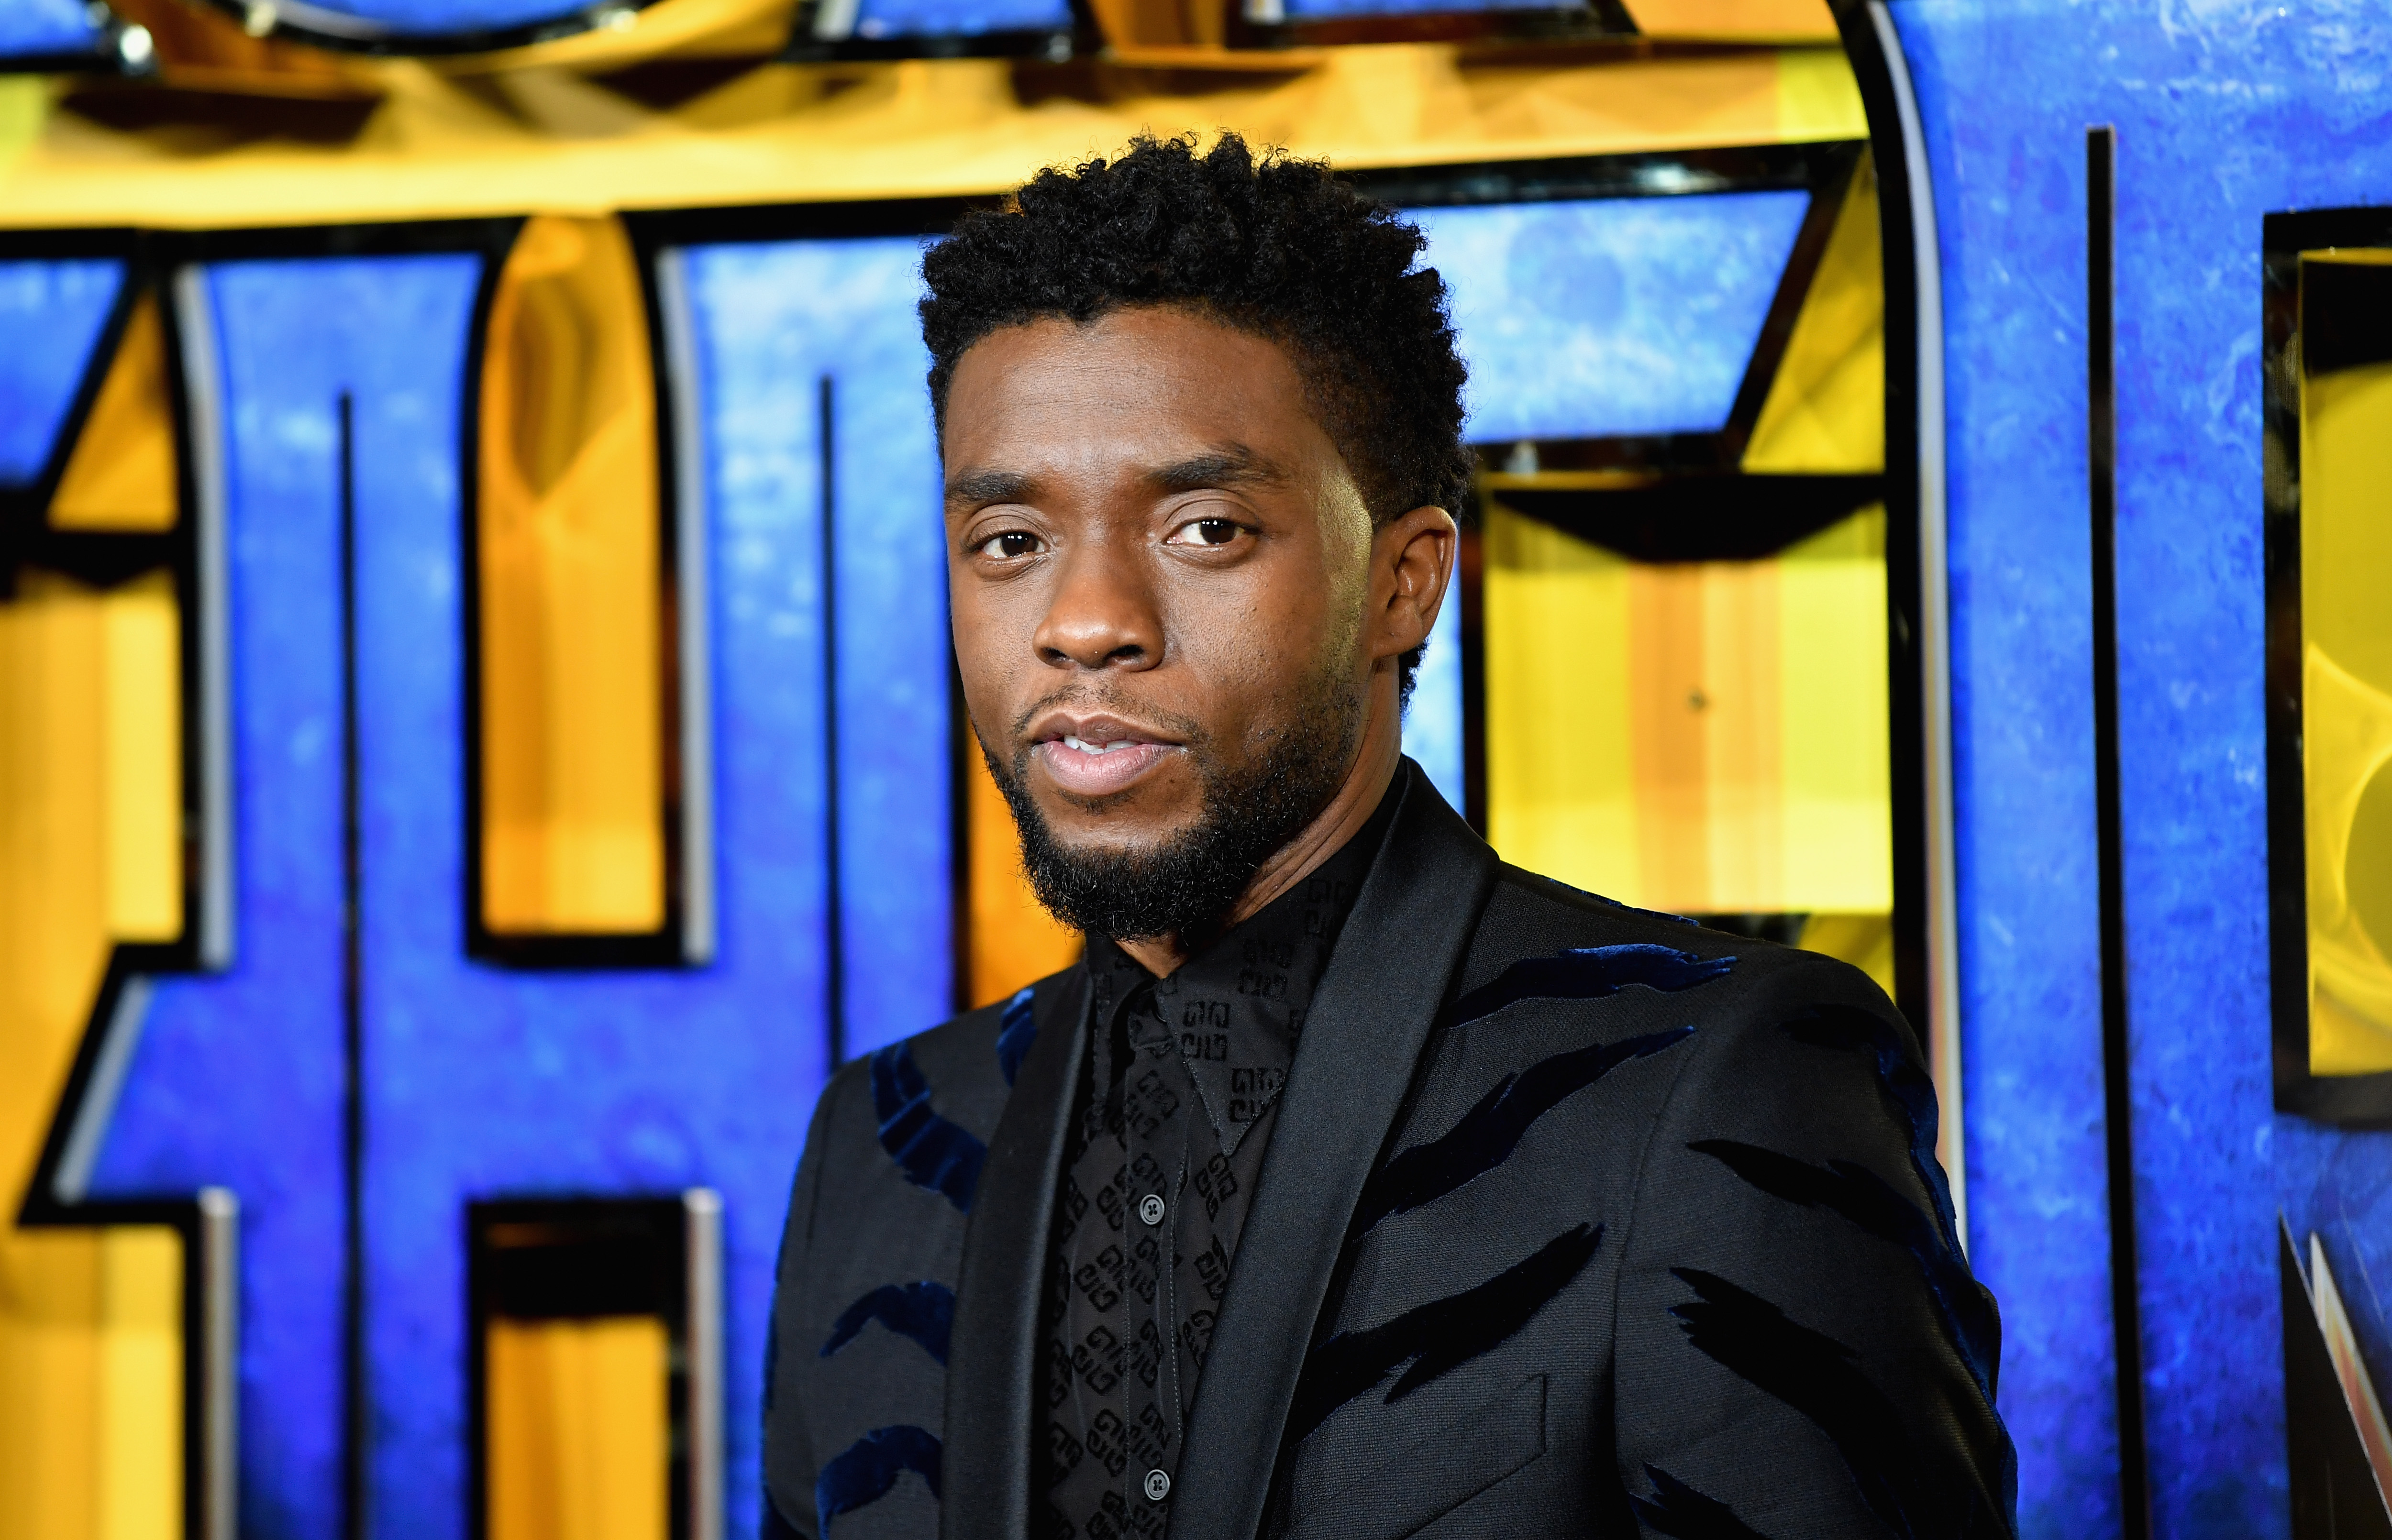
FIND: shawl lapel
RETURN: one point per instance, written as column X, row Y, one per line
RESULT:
column 992, row 1377
column 1362, row 1040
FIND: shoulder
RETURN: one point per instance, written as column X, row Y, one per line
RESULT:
column 865, row 1304
column 1539, row 938
column 1743, row 1020
column 959, row 1073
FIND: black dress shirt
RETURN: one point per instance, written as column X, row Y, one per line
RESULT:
column 1171, row 1122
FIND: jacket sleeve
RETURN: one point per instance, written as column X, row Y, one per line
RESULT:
column 790, row 1464
column 1801, row 1348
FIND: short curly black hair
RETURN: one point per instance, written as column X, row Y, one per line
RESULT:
column 1271, row 245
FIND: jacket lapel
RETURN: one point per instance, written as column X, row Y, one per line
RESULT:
column 992, row 1374
column 1362, row 1040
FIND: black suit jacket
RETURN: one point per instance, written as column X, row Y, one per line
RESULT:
column 1579, row 1220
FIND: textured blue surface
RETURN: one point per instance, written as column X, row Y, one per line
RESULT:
column 2225, row 113
column 239, row 1079
column 879, row 18
column 2022, row 733
column 483, row 1081
column 773, row 320
column 34, row 28
column 51, row 313
column 1610, row 315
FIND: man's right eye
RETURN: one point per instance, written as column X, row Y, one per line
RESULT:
column 1012, row 543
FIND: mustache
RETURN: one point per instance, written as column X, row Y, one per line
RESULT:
column 1080, row 700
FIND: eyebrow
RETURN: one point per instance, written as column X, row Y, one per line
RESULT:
column 980, row 487
column 1234, row 465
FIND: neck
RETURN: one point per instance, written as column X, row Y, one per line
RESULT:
column 1358, row 797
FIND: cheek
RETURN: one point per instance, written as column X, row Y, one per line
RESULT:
column 991, row 648
column 1249, row 664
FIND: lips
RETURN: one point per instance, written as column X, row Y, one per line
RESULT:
column 1099, row 767
column 1097, row 756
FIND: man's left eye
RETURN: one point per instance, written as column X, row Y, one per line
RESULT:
column 1207, row 532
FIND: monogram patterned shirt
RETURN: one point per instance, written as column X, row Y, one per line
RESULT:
column 1174, row 1112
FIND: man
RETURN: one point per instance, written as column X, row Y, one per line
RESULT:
column 1354, row 1184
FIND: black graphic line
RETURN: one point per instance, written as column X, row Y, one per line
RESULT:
column 1821, row 1378
column 924, row 1312
column 1591, row 973
column 1682, row 1513
column 1436, row 1337
column 1868, row 1201
column 1489, row 1132
column 357, row 1410
column 834, row 937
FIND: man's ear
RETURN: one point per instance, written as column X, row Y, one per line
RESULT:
column 1411, row 566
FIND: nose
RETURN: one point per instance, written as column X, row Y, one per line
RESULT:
column 1103, row 614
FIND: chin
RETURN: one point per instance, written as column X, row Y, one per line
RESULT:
column 1157, row 805
column 1122, row 824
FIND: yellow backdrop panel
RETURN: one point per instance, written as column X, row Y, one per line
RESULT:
column 1013, row 940
column 90, row 1333
column 1699, row 737
column 579, row 1430
column 573, row 837
column 122, row 474
column 2346, row 714
column 541, row 137
column 1825, row 409
column 1711, row 737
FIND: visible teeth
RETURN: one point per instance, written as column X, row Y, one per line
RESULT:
column 1081, row 746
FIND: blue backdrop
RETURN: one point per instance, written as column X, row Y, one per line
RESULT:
column 37, row 29
column 1594, row 317
column 51, row 312
column 2225, row 111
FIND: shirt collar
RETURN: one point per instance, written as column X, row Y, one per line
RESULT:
column 1300, row 925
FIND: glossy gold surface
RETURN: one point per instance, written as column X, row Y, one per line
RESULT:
column 572, row 714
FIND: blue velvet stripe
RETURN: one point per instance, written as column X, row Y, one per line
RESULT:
column 1017, row 1029
column 864, row 1472
column 1489, row 1132
column 925, row 1311
column 1906, row 1087
column 1864, row 1198
column 1680, row 1512
column 932, row 1152
column 1591, row 973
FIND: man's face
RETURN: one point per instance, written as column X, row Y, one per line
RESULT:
column 1161, row 571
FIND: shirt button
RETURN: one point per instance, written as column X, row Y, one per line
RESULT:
column 1149, row 1209
column 1158, row 1485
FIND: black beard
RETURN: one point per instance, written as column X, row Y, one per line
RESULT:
column 1183, row 885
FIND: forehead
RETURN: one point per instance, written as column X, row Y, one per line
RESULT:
column 1151, row 379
